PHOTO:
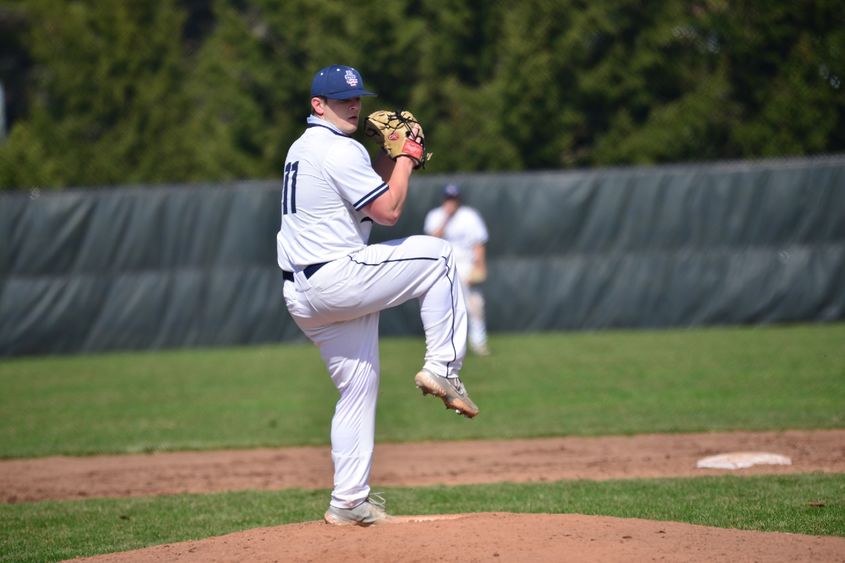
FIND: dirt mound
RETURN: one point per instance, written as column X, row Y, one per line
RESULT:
column 498, row 537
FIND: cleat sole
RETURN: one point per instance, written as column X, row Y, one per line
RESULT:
column 458, row 404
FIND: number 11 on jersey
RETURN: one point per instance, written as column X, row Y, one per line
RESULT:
column 289, row 188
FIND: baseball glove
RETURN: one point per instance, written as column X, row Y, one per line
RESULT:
column 399, row 133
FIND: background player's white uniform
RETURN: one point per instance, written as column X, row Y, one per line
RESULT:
column 464, row 230
column 328, row 180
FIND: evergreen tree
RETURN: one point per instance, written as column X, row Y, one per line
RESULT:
column 131, row 92
column 106, row 96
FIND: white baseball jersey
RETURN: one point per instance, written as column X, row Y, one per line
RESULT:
column 328, row 179
column 465, row 229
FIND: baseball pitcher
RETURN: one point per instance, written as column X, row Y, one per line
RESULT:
column 335, row 283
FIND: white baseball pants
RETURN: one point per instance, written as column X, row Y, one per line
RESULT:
column 338, row 309
column 474, row 297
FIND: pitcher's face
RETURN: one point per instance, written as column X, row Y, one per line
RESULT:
column 343, row 114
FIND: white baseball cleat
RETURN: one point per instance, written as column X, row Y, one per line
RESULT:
column 368, row 513
column 450, row 390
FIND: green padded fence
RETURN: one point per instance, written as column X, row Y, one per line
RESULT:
column 170, row 266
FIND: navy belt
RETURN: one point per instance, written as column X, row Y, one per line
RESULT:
column 307, row 270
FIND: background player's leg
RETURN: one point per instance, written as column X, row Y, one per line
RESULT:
column 350, row 351
column 477, row 323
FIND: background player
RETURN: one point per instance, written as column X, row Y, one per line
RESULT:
column 336, row 284
column 464, row 227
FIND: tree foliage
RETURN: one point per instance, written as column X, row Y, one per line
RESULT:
column 212, row 90
column 106, row 100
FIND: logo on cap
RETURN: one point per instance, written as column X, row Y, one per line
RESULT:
column 351, row 78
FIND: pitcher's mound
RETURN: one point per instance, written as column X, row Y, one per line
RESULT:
column 498, row 537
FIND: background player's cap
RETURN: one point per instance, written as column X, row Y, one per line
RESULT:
column 452, row 190
column 338, row 82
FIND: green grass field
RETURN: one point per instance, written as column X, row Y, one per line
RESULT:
column 548, row 384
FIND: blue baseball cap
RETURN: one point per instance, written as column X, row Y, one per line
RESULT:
column 452, row 190
column 338, row 82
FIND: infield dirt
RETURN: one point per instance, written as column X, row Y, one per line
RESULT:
column 469, row 537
